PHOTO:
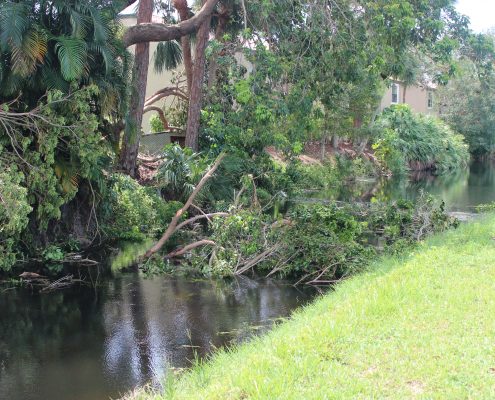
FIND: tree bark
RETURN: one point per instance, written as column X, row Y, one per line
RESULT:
column 196, row 91
column 132, row 132
column 185, row 41
column 154, row 32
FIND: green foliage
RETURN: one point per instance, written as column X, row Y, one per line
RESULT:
column 467, row 104
column 486, row 208
column 315, row 241
column 156, row 124
column 407, row 140
column 51, row 44
column 53, row 257
column 326, row 239
column 63, row 147
column 134, row 212
column 168, row 56
column 14, row 212
column 179, row 172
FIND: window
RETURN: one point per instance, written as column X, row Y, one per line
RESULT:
column 395, row 93
column 430, row 100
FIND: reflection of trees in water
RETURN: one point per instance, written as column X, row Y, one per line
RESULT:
column 170, row 322
column 37, row 331
column 461, row 189
column 126, row 333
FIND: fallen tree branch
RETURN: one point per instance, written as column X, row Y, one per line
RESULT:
column 198, row 217
column 189, row 247
column 256, row 260
column 172, row 227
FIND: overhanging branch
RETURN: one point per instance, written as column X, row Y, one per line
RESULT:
column 153, row 32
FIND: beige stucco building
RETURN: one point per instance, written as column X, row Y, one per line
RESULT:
column 420, row 98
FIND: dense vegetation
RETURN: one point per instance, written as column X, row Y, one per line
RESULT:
column 279, row 104
column 413, row 141
column 72, row 98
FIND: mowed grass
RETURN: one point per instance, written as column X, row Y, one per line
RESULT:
column 420, row 327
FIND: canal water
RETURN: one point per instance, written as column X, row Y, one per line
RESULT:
column 89, row 344
column 461, row 190
column 92, row 343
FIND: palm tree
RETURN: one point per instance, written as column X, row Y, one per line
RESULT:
column 59, row 44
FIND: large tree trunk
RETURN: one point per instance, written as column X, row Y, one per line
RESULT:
column 185, row 41
column 196, row 91
column 132, row 132
column 154, row 32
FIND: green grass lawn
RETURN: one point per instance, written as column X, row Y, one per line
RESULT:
column 421, row 327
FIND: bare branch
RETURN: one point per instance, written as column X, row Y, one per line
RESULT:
column 198, row 217
column 165, row 92
column 189, row 247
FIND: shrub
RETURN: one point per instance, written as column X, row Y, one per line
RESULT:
column 133, row 212
column 14, row 211
column 408, row 140
column 179, row 172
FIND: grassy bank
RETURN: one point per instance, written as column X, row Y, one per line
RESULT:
column 420, row 327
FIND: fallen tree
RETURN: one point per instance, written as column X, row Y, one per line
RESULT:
column 174, row 224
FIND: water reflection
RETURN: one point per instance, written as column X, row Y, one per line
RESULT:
column 82, row 344
column 462, row 190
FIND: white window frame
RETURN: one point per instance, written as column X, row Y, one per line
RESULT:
column 395, row 86
column 429, row 100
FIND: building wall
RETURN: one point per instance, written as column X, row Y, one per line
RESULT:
column 416, row 98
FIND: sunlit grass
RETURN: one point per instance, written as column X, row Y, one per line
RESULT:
column 418, row 327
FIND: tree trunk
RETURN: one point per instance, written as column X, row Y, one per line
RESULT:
column 132, row 132
column 196, row 92
column 185, row 41
column 404, row 94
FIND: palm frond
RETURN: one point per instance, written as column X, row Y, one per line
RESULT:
column 72, row 55
column 168, row 56
column 53, row 79
column 101, row 30
column 14, row 22
column 80, row 24
column 31, row 52
column 107, row 52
